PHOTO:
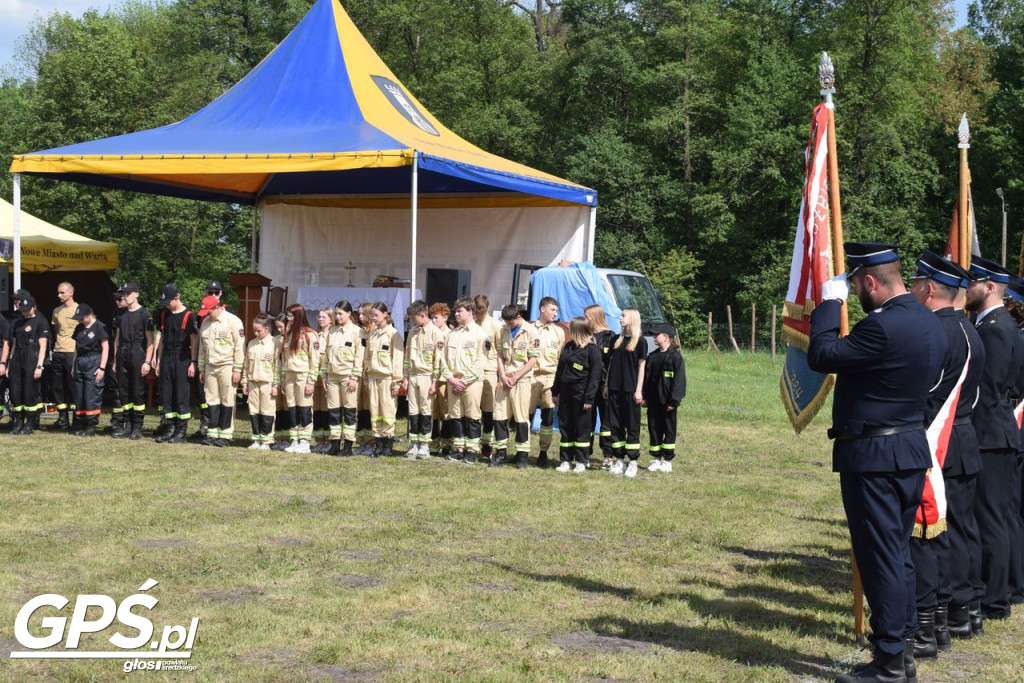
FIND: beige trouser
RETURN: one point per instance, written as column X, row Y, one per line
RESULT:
column 418, row 395
column 383, row 406
column 439, row 407
column 466, row 403
column 260, row 400
column 540, row 394
column 219, row 391
column 295, row 397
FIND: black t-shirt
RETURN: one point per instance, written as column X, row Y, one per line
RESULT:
column 133, row 326
column 28, row 332
column 5, row 329
column 624, row 366
column 88, row 340
column 176, row 330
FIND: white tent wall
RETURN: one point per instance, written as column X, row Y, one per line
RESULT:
column 304, row 245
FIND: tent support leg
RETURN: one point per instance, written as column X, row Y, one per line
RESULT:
column 17, row 231
column 415, row 210
column 591, row 233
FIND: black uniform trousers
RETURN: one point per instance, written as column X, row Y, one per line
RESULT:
column 880, row 510
column 131, row 385
column 661, row 427
column 576, row 429
column 964, row 558
column 1015, row 525
column 931, row 567
column 624, row 424
column 992, row 510
column 88, row 393
column 1017, row 589
column 61, row 383
column 25, row 391
column 175, row 386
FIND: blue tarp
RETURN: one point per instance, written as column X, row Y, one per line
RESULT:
column 575, row 287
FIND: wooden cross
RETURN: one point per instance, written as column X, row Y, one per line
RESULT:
column 350, row 267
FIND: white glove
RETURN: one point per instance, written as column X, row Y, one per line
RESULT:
column 836, row 288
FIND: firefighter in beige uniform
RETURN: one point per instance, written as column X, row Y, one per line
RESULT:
column 462, row 367
column 221, row 357
column 341, row 367
column 300, row 369
column 259, row 381
column 421, row 349
column 550, row 340
column 517, row 357
column 385, row 355
column 491, row 328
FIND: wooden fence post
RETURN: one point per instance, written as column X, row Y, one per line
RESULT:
column 711, row 337
column 753, row 328
column 774, row 309
column 728, row 313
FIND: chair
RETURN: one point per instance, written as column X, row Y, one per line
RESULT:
column 277, row 300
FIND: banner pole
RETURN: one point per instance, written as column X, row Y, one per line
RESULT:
column 827, row 77
column 963, row 224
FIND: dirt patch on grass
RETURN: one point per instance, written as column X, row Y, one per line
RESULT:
column 334, row 672
column 8, row 645
column 289, row 540
column 496, row 587
column 162, row 543
column 402, row 614
column 356, row 581
column 592, row 642
column 358, row 554
column 284, row 657
column 233, row 596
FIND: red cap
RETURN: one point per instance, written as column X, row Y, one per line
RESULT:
column 207, row 303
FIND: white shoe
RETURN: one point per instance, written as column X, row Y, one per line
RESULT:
column 264, row 447
column 564, row 467
column 302, row 448
column 631, row 470
column 580, row 467
column 413, row 452
column 291, row 447
column 655, row 466
column 254, row 446
column 616, row 468
column 666, row 466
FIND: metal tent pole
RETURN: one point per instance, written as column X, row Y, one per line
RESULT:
column 415, row 211
column 17, row 231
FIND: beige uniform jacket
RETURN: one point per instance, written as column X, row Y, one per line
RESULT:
column 515, row 353
column 552, row 339
column 463, row 355
column 421, row 350
column 305, row 359
column 220, row 342
column 385, row 353
column 492, row 330
column 262, row 360
column 344, row 351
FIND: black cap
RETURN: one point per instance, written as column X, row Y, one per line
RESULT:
column 934, row 267
column 1015, row 290
column 867, row 254
column 27, row 304
column 213, row 284
column 664, row 328
column 118, row 293
column 130, row 287
column 983, row 269
column 168, row 293
column 83, row 310
column 21, row 295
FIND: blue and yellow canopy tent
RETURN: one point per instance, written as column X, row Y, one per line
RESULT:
column 321, row 121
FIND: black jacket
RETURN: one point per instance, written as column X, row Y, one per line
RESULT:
column 993, row 415
column 665, row 377
column 579, row 372
column 962, row 455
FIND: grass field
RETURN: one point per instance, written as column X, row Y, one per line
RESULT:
column 733, row 567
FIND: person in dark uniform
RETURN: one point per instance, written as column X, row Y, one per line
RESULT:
column 90, row 369
column 664, row 389
column 997, row 431
column 30, row 340
column 176, row 360
column 5, row 348
column 947, row 554
column 1015, row 306
column 133, row 353
column 884, row 370
column 574, row 391
column 117, row 417
column 7, row 322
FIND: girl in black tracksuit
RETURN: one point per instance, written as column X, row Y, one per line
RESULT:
column 577, row 378
column 664, row 388
column 624, row 391
column 603, row 337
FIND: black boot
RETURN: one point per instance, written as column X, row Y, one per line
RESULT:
column 942, row 641
column 180, row 431
column 17, row 423
column 977, row 619
column 137, row 417
column 164, row 429
column 959, row 622
column 87, row 430
column 498, row 458
column 388, row 448
column 324, row 448
column 61, row 423
column 346, row 448
column 542, row 459
column 522, row 460
column 470, row 458
column 124, row 429
column 333, row 447
column 378, row 447
column 116, row 420
column 204, row 426
column 884, row 668
column 924, row 645
column 30, row 423
column 909, row 662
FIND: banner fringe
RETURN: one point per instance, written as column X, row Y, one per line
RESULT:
column 801, row 420
column 930, row 531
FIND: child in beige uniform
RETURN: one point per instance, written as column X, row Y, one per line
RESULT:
column 385, row 355
column 259, row 381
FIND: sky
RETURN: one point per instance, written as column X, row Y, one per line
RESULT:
column 18, row 14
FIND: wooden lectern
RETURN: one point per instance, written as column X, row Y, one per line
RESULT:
column 249, row 287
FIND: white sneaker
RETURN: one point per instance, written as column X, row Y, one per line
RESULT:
column 254, row 446
column 291, row 447
column 655, row 466
column 580, row 467
column 302, row 448
column 414, row 450
column 616, row 468
column 666, row 466
column 631, row 470
column 564, row 467
column 264, row 447
column 424, row 452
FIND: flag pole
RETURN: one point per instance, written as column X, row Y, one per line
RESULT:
column 964, row 227
column 827, row 78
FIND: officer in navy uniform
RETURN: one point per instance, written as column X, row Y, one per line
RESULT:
column 1015, row 305
column 948, row 564
column 998, row 435
column 884, row 371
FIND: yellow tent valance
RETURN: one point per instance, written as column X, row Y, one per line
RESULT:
column 45, row 247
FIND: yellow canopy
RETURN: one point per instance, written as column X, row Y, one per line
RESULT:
column 46, row 247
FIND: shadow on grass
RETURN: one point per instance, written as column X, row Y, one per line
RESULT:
column 831, row 573
column 724, row 643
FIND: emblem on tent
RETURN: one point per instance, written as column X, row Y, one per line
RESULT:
column 396, row 96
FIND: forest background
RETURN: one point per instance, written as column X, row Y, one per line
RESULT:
column 689, row 117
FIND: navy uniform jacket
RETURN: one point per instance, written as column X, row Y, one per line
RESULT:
column 884, row 371
column 993, row 415
column 962, row 456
